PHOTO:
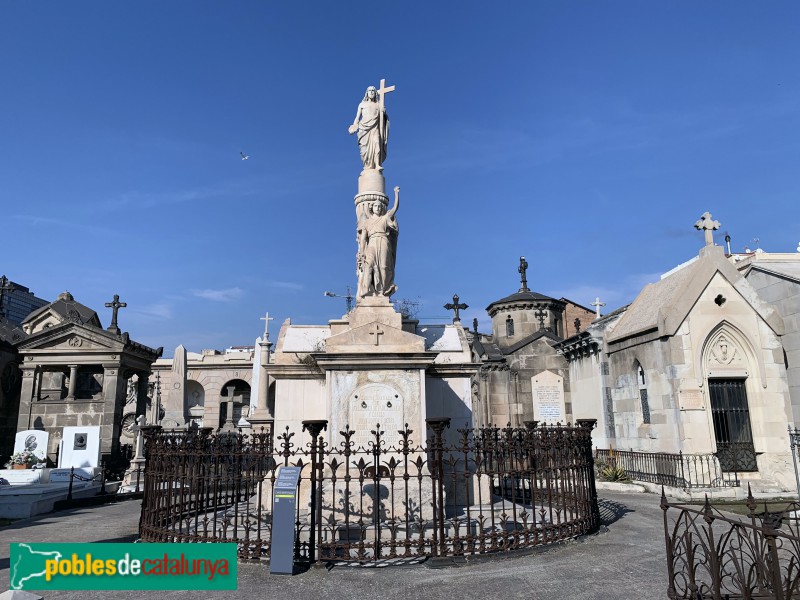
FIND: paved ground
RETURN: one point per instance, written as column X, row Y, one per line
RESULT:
column 626, row 561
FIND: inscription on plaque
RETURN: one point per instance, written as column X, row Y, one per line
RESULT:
column 548, row 397
column 691, row 399
column 370, row 405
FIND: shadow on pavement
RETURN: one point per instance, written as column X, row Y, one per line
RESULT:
column 611, row 511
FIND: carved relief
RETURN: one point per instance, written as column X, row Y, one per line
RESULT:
column 75, row 342
column 723, row 352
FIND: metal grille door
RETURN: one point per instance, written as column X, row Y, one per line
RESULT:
column 731, row 416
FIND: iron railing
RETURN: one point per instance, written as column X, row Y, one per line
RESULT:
column 711, row 554
column 671, row 469
column 388, row 499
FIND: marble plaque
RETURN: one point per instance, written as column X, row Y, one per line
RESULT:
column 34, row 440
column 84, row 474
column 80, row 447
column 373, row 404
column 691, row 399
column 548, row 397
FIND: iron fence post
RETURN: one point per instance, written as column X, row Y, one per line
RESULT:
column 771, row 524
column 314, row 429
column 588, row 425
column 793, row 435
column 438, row 425
column 71, row 477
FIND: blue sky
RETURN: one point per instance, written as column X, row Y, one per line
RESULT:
column 587, row 136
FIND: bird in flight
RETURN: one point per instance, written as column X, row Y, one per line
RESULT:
column 243, row 155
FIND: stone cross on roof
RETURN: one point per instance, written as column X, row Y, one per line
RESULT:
column 523, row 267
column 115, row 306
column 455, row 306
column 266, row 318
column 707, row 225
column 597, row 304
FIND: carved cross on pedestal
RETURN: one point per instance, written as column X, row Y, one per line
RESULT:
column 266, row 318
column 115, row 306
column 540, row 314
column 577, row 323
column 523, row 268
column 708, row 226
column 597, row 304
column 455, row 307
column 377, row 333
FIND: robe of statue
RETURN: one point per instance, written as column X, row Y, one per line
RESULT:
column 372, row 139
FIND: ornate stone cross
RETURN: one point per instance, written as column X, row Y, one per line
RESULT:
column 523, row 267
column 115, row 306
column 377, row 333
column 597, row 304
column 540, row 314
column 266, row 318
column 707, row 225
column 455, row 307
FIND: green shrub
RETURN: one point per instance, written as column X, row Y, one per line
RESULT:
column 613, row 473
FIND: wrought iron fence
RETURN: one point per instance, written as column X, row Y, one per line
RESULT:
column 715, row 555
column 671, row 469
column 386, row 497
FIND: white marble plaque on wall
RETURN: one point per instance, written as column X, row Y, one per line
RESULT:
column 375, row 403
column 548, row 397
column 80, row 447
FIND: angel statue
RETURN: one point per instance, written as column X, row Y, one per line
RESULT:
column 377, row 248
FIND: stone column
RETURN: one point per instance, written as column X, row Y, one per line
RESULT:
column 114, row 394
column 73, row 382
column 262, row 415
column 26, row 397
column 141, row 393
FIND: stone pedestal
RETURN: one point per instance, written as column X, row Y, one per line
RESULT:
column 371, row 187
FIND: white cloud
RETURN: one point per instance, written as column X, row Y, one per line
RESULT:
column 224, row 295
column 286, row 285
column 158, row 311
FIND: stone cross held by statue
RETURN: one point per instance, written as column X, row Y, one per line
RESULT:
column 455, row 306
column 382, row 91
column 597, row 304
column 540, row 314
column 522, row 270
column 115, row 306
column 377, row 333
column 577, row 323
column 707, row 225
column 266, row 318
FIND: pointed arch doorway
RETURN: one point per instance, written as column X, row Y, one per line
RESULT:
column 730, row 414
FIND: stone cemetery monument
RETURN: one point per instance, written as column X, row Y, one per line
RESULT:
column 376, row 411
column 373, row 365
